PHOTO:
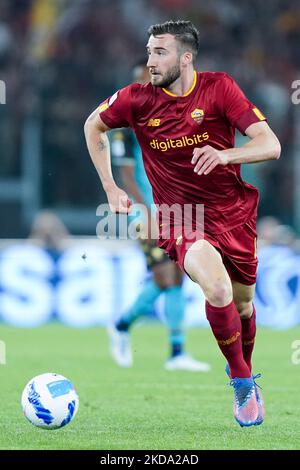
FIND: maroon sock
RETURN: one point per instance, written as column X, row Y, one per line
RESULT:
column 248, row 337
column 225, row 323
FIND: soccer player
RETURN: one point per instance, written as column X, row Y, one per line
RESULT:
column 185, row 123
column 166, row 276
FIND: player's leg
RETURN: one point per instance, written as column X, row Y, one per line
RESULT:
column 239, row 251
column 143, row 305
column 169, row 278
column 120, row 346
column 204, row 265
column 243, row 298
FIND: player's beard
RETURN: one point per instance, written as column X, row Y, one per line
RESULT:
column 168, row 78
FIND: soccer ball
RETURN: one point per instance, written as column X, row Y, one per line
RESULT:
column 49, row 401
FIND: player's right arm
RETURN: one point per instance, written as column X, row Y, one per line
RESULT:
column 98, row 146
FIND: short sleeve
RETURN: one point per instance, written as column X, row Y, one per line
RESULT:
column 239, row 111
column 116, row 111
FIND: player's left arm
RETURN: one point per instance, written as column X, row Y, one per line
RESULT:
column 243, row 115
column 263, row 146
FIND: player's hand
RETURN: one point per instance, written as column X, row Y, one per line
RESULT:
column 118, row 200
column 207, row 158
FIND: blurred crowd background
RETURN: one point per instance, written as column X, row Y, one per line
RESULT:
column 60, row 58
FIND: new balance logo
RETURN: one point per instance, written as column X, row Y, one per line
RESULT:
column 154, row 122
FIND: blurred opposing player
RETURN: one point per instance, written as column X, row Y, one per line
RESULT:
column 166, row 276
column 185, row 123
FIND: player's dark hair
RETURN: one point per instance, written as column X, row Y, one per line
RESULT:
column 184, row 31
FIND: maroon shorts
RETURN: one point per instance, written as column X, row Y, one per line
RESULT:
column 237, row 248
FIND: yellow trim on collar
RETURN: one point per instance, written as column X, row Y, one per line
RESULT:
column 187, row 93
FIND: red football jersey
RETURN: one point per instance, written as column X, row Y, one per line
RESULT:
column 169, row 127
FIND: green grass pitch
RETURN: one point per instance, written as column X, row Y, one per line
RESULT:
column 146, row 407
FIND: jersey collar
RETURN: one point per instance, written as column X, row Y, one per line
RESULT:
column 185, row 94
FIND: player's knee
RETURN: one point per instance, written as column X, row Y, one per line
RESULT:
column 219, row 294
column 245, row 309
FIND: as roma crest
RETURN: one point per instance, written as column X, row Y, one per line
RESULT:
column 198, row 115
